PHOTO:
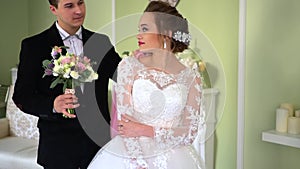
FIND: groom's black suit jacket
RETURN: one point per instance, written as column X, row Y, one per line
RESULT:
column 33, row 95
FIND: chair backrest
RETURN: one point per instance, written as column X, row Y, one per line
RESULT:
column 20, row 124
column 4, row 89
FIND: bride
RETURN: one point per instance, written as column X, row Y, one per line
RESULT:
column 158, row 99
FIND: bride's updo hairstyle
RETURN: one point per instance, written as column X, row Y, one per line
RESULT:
column 168, row 19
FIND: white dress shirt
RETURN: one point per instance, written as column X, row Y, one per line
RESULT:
column 74, row 42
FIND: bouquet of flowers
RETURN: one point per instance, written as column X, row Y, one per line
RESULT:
column 69, row 70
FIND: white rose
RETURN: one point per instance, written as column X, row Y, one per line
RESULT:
column 95, row 76
column 66, row 75
column 74, row 74
column 56, row 66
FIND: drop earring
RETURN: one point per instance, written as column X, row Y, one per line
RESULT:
column 165, row 44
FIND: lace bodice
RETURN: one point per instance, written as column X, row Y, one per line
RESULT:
column 171, row 103
column 157, row 102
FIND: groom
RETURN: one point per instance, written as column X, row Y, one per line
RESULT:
column 63, row 143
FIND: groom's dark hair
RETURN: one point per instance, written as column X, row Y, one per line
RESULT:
column 54, row 3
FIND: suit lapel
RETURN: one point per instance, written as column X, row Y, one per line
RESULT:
column 54, row 39
column 85, row 35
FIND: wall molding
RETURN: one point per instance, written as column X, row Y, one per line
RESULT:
column 113, row 18
column 241, row 85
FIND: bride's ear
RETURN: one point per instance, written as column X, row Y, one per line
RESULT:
column 167, row 35
column 170, row 34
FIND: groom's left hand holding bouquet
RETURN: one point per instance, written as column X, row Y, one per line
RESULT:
column 71, row 71
column 65, row 102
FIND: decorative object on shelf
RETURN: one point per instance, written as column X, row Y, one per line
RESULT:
column 287, row 127
column 297, row 113
column 281, row 119
column 289, row 107
column 294, row 125
column 173, row 3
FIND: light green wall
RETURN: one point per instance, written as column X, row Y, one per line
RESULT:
column 128, row 12
column 272, row 77
column 219, row 21
column 99, row 14
column 40, row 17
column 14, row 26
column 271, row 62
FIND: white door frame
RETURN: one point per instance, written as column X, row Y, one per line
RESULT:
column 241, row 85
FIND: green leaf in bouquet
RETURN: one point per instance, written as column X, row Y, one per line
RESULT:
column 46, row 63
column 126, row 53
column 55, row 82
column 76, row 83
column 68, row 84
column 86, row 73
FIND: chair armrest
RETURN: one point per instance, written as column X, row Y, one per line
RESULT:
column 4, row 127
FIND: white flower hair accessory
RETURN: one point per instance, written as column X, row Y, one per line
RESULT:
column 182, row 37
column 172, row 3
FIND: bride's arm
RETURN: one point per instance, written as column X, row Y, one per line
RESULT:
column 191, row 117
column 126, row 72
column 127, row 125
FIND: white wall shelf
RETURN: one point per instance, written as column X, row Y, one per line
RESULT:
column 287, row 139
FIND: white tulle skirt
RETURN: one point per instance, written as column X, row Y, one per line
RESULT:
column 114, row 156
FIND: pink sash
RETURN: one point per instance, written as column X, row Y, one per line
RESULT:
column 114, row 119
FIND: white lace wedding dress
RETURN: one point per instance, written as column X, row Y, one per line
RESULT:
column 170, row 103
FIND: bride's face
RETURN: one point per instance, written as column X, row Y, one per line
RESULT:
column 148, row 36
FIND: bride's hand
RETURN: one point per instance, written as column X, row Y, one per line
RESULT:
column 128, row 126
column 127, row 118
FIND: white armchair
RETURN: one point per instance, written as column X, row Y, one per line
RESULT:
column 18, row 138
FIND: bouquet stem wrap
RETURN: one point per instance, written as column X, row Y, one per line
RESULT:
column 70, row 88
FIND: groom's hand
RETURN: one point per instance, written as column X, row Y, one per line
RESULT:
column 64, row 102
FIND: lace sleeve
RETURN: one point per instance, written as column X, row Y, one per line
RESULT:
column 126, row 71
column 191, row 119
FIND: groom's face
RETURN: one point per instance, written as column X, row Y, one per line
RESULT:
column 70, row 14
